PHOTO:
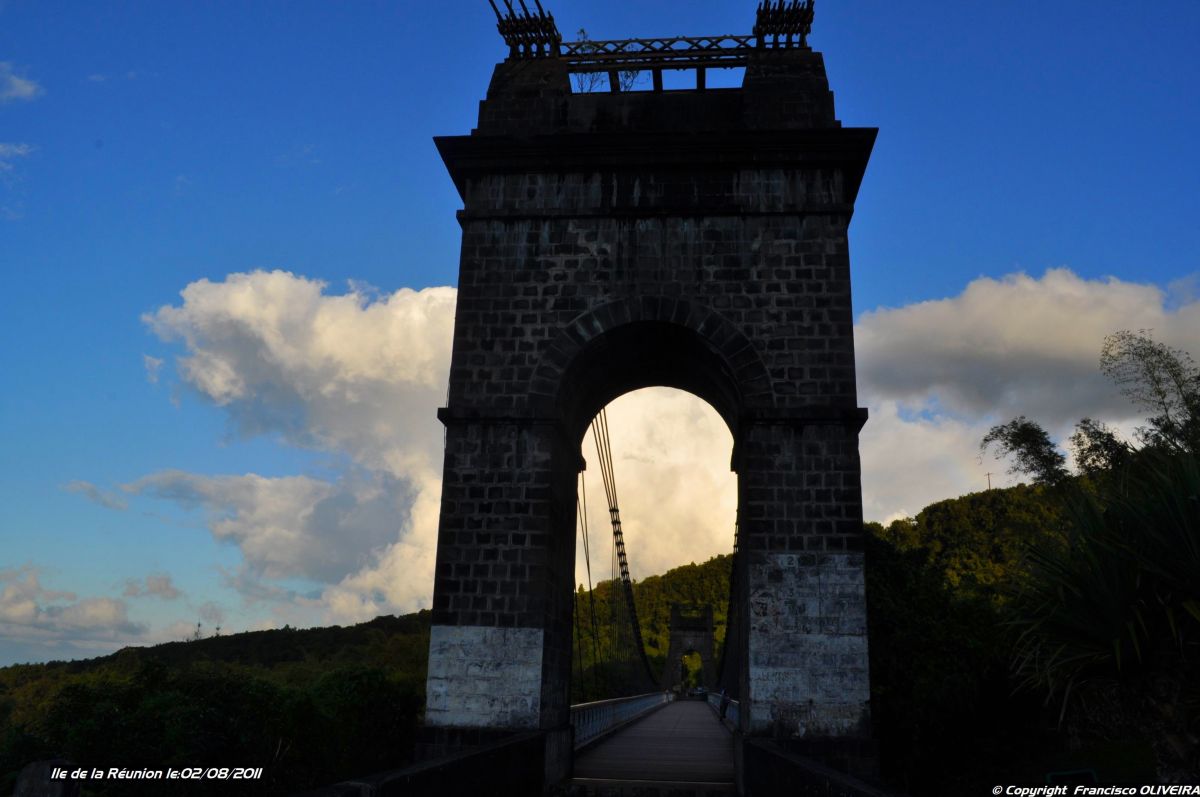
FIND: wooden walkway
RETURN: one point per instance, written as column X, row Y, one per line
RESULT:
column 683, row 742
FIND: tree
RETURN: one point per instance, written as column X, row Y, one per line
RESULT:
column 1109, row 620
column 1097, row 448
column 588, row 82
column 1029, row 444
column 1161, row 379
column 1152, row 375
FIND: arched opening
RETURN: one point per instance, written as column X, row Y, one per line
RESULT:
column 616, row 350
column 677, row 498
column 646, row 353
column 691, row 671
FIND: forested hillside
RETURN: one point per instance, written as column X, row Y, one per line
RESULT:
column 310, row 707
column 702, row 584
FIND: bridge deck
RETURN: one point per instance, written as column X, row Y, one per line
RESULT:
column 683, row 742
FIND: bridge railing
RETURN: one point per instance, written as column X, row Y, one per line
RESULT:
column 731, row 709
column 593, row 720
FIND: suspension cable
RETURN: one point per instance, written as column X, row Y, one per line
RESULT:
column 587, row 560
column 578, row 644
column 604, row 453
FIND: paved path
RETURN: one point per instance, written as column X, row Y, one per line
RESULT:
column 682, row 742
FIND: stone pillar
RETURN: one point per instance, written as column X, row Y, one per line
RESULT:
column 500, row 644
column 806, row 673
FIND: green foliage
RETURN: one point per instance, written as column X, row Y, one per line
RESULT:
column 941, row 694
column 596, row 671
column 1097, row 448
column 1110, row 620
column 944, row 591
column 1109, row 614
column 977, row 542
column 939, row 662
column 691, row 667
column 310, row 707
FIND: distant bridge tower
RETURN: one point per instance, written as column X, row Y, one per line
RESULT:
column 691, row 631
column 616, row 240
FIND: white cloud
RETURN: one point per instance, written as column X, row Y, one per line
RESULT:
column 103, row 77
column 1018, row 345
column 104, row 498
column 677, row 495
column 156, row 585
column 9, row 152
column 14, row 86
column 364, row 376
column 911, row 461
column 294, row 526
column 336, row 372
column 350, row 373
column 31, row 613
column 152, row 365
column 936, row 375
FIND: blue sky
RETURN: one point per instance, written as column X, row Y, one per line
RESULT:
column 146, row 147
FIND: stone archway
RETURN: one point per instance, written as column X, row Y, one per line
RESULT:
column 691, row 632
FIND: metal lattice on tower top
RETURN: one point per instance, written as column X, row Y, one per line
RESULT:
column 779, row 24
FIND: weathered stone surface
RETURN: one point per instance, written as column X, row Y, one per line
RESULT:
column 808, row 645
column 480, row 675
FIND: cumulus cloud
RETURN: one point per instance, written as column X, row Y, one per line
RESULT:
column 678, row 497
column 155, row 585
column 1012, row 346
column 912, row 460
column 16, row 87
column 104, row 498
column 340, row 372
column 352, row 373
column 33, row 614
column 293, row 526
column 936, row 375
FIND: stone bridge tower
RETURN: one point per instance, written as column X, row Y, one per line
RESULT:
column 691, row 630
column 616, row 240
